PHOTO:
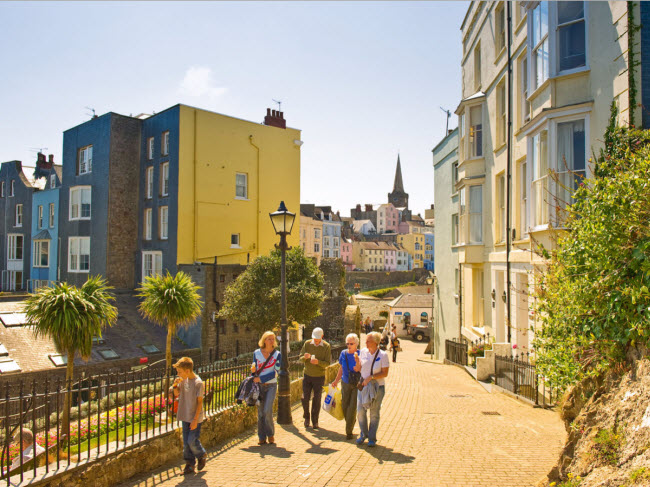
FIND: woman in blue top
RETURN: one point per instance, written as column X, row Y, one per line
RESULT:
column 348, row 359
column 268, row 385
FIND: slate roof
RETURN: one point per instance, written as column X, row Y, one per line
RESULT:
column 412, row 301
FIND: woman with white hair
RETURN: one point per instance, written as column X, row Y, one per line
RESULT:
column 373, row 365
column 266, row 365
column 348, row 359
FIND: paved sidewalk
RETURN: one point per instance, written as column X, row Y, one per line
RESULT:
column 434, row 431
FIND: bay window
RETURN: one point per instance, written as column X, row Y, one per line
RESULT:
column 540, row 178
column 471, row 214
column 538, row 39
column 571, row 35
column 476, row 131
column 571, row 159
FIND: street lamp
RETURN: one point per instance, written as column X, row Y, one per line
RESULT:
column 282, row 221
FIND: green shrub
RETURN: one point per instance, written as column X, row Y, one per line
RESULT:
column 639, row 475
column 571, row 481
column 607, row 445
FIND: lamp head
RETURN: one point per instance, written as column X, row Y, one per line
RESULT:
column 282, row 220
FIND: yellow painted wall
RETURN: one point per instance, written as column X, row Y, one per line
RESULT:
column 408, row 242
column 212, row 149
column 307, row 238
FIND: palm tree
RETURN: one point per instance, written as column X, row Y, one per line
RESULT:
column 170, row 301
column 71, row 317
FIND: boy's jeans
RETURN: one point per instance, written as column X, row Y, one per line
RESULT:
column 192, row 448
column 370, row 432
column 265, row 426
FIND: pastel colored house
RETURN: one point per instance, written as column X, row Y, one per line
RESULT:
column 363, row 227
column 414, row 245
column 387, row 218
column 331, row 232
column 410, row 309
column 346, row 254
column 311, row 233
column 429, row 248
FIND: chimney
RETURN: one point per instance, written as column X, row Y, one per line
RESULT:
column 368, row 207
column 358, row 207
column 42, row 163
column 275, row 118
column 51, row 159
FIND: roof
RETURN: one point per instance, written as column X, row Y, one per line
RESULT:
column 412, row 301
column 419, row 290
column 377, row 246
column 357, row 225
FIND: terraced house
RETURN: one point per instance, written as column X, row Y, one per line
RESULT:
column 538, row 80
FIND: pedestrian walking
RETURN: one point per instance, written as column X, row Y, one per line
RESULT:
column 349, row 378
column 394, row 342
column 266, row 365
column 316, row 354
column 374, row 364
column 189, row 388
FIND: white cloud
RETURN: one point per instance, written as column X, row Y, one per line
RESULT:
column 198, row 82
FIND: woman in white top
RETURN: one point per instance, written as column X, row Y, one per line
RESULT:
column 373, row 364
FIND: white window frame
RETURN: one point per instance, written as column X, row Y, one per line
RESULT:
column 477, row 67
column 151, row 263
column 235, row 241
column 316, row 232
column 534, row 48
column 40, row 216
column 76, row 244
column 539, row 180
column 467, row 216
column 501, row 112
column 523, row 199
column 241, row 186
column 39, row 246
column 52, row 181
column 556, row 45
column 326, row 253
column 164, row 143
column 523, row 89
column 499, row 27
column 558, row 165
column 85, row 160
column 77, row 214
column 148, row 223
column 150, row 148
column 149, row 182
column 18, row 216
column 326, row 242
column 2, row 189
column 51, row 215
column 475, row 136
column 317, row 247
column 164, row 179
column 501, row 207
column 13, row 247
column 164, row 222
column 12, row 188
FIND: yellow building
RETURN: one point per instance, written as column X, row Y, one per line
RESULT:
column 231, row 174
column 311, row 236
column 413, row 243
column 569, row 63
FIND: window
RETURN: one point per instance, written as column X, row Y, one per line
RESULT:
column 501, row 113
column 150, row 146
column 80, row 198
column 326, row 253
column 476, row 214
column 316, row 247
column 59, row 360
column 164, row 148
column 51, row 222
column 571, row 35
column 234, row 240
column 18, row 220
column 326, row 241
column 523, row 90
column 501, row 199
column 222, row 326
column 454, row 176
column 15, row 247
column 538, row 38
column 108, row 354
column 336, row 253
column 571, row 159
column 461, row 132
column 336, row 241
column 500, row 27
column 222, row 278
column 316, row 232
column 476, row 131
column 477, row 67
column 539, row 176
column 85, row 160
column 164, row 220
column 79, row 254
column 151, row 264
column 164, row 179
column 148, row 349
column 523, row 202
column 41, row 253
column 149, row 182
column 2, row 189
column 241, row 185
column 40, row 216
column 52, row 181
column 12, row 187
column 148, row 223
column 454, row 229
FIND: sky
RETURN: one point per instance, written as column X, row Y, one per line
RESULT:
column 364, row 81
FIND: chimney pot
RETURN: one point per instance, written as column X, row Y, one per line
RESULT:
column 281, row 115
column 51, row 158
column 268, row 112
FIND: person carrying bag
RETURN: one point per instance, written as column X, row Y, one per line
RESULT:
column 349, row 377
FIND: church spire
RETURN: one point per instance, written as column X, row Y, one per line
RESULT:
column 398, row 186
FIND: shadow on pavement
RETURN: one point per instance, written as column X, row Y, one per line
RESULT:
column 323, row 434
column 314, row 448
column 195, row 480
column 269, row 451
column 386, row 454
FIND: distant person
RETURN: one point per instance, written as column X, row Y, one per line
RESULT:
column 349, row 378
column 373, row 365
column 394, row 342
column 29, row 449
column 190, row 389
column 266, row 365
column 316, row 354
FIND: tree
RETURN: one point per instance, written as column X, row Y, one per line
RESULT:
column 170, row 301
column 253, row 299
column 594, row 299
column 71, row 317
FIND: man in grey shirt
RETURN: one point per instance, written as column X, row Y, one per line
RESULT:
column 189, row 388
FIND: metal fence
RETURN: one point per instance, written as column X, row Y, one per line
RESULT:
column 456, row 352
column 517, row 375
column 108, row 412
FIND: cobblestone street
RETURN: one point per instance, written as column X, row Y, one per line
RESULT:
column 438, row 428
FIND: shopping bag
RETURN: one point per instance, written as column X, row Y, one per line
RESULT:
column 332, row 402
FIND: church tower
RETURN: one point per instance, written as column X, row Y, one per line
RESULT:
column 398, row 197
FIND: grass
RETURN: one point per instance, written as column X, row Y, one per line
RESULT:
column 113, row 435
column 638, row 476
column 607, row 445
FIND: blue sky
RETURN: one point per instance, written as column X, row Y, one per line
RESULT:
column 362, row 80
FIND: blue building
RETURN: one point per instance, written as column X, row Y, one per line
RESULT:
column 45, row 224
column 15, row 226
column 331, row 232
column 429, row 247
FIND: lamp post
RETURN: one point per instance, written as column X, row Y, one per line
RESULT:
column 282, row 221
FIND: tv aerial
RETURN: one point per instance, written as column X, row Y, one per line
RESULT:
column 448, row 117
column 38, row 149
column 279, row 102
column 92, row 110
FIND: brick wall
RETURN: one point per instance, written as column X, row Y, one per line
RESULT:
column 373, row 280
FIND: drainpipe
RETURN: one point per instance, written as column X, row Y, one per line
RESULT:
column 216, row 304
column 196, row 200
column 257, row 241
column 460, row 301
column 509, row 170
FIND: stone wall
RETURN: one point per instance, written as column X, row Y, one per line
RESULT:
column 332, row 316
column 373, row 280
column 155, row 452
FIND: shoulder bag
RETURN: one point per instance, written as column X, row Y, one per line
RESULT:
column 360, row 385
column 354, row 377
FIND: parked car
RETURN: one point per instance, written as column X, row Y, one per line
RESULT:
column 420, row 332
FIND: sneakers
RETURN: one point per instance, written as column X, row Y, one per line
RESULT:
column 371, row 443
column 360, row 440
column 201, row 463
column 189, row 469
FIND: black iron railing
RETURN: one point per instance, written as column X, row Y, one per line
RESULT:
column 456, row 352
column 519, row 376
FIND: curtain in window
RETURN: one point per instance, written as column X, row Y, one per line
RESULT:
column 570, row 158
column 476, row 214
column 571, row 34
